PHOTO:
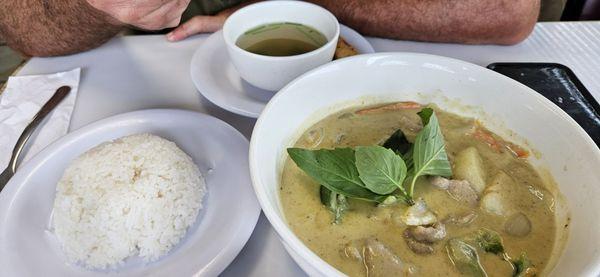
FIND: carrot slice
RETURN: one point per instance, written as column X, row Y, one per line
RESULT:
column 517, row 151
column 391, row 107
column 488, row 138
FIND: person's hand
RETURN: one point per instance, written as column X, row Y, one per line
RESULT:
column 198, row 24
column 204, row 23
column 145, row 14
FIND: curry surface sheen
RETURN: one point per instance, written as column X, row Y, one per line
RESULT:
column 312, row 222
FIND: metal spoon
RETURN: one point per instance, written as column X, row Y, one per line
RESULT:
column 60, row 94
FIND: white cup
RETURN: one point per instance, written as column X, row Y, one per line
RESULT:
column 270, row 72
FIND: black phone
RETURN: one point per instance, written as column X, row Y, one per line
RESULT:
column 560, row 85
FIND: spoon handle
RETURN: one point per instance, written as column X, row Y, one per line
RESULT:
column 60, row 94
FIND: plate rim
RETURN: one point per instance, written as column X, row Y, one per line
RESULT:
column 201, row 50
column 217, row 264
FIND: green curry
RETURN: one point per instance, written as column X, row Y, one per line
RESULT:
column 482, row 210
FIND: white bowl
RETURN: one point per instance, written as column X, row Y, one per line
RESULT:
column 272, row 73
column 566, row 150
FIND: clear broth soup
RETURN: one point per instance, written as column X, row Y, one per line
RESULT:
column 281, row 39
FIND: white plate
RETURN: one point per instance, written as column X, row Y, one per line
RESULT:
column 215, row 77
column 28, row 248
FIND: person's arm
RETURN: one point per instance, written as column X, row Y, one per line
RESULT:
column 464, row 21
column 53, row 27
column 60, row 27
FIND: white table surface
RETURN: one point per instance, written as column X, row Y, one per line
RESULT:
column 142, row 72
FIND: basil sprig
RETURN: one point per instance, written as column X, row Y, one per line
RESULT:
column 381, row 170
column 376, row 173
column 334, row 169
column 429, row 151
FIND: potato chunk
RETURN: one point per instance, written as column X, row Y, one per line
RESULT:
column 469, row 166
column 493, row 202
column 496, row 196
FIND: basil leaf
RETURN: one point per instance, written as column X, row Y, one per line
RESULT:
column 398, row 143
column 425, row 115
column 335, row 202
column 380, row 169
column 429, row 154
column 407, row 157
column 325, row 195
column 334, row 169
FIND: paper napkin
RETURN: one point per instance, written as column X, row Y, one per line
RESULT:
column 22, row 99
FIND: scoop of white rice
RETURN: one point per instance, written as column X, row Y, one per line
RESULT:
column 135, row 195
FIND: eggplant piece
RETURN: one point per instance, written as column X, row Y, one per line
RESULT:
column 523, row 267
column 518, row 225
column 465, row 258
column 490, row 241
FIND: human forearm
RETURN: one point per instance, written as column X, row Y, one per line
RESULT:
column 467, row 21
column 54, row 27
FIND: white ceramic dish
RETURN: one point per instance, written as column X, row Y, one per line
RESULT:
column 272, row 73
column 567, row 151
column 216, row 78
column 28, row 247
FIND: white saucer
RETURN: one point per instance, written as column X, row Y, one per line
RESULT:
column 29, row 248
column 216, row 79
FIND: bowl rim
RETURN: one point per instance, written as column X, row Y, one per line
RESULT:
column 284, row 231
column 232, row 45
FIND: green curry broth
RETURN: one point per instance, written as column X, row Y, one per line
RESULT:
column 311, row 221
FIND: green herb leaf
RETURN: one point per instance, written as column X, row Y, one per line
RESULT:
column 389, row 201
column 523, row 267
column 341, row 205
column 398, row 143
column 335, row 169
column 429, row 153
column 425, row 115
column 380, row 169
column 325, row 195
column 490, row 241
column 464, row 257
column 407, row 157
column 335, row 202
